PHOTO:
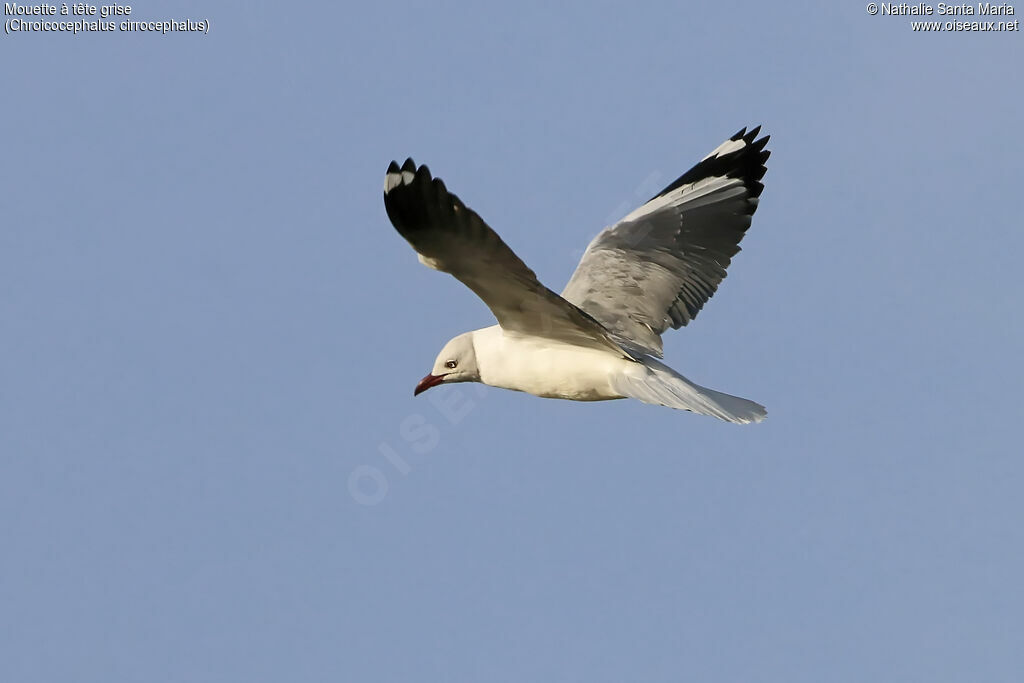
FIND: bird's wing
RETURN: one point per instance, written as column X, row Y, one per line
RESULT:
column 658, row 266
column 451, row 237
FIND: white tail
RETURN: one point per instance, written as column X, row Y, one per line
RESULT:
column 661, row 385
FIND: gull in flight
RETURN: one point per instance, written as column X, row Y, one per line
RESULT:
column 601, row 339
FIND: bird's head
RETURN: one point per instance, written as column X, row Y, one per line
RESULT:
column 455, row 363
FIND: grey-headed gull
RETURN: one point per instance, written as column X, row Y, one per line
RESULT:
column 601, row 339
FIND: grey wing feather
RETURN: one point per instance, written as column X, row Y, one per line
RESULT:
column 657, row 267
column 451, row 237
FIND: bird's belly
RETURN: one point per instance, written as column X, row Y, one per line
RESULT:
column 559, row 371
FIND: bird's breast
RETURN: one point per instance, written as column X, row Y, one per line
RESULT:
column 548, row 369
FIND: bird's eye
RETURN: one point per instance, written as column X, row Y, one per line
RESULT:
column 451, row 364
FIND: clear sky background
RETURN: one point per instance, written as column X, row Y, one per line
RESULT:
column 213, row 467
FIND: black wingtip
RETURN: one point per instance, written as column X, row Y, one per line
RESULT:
column 393, row 168
column 747, row 162
column 409, row 165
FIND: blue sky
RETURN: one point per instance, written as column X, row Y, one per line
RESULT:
column 213, row 465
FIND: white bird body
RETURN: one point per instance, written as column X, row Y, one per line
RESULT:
column 601, row 338
column 544, row 368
